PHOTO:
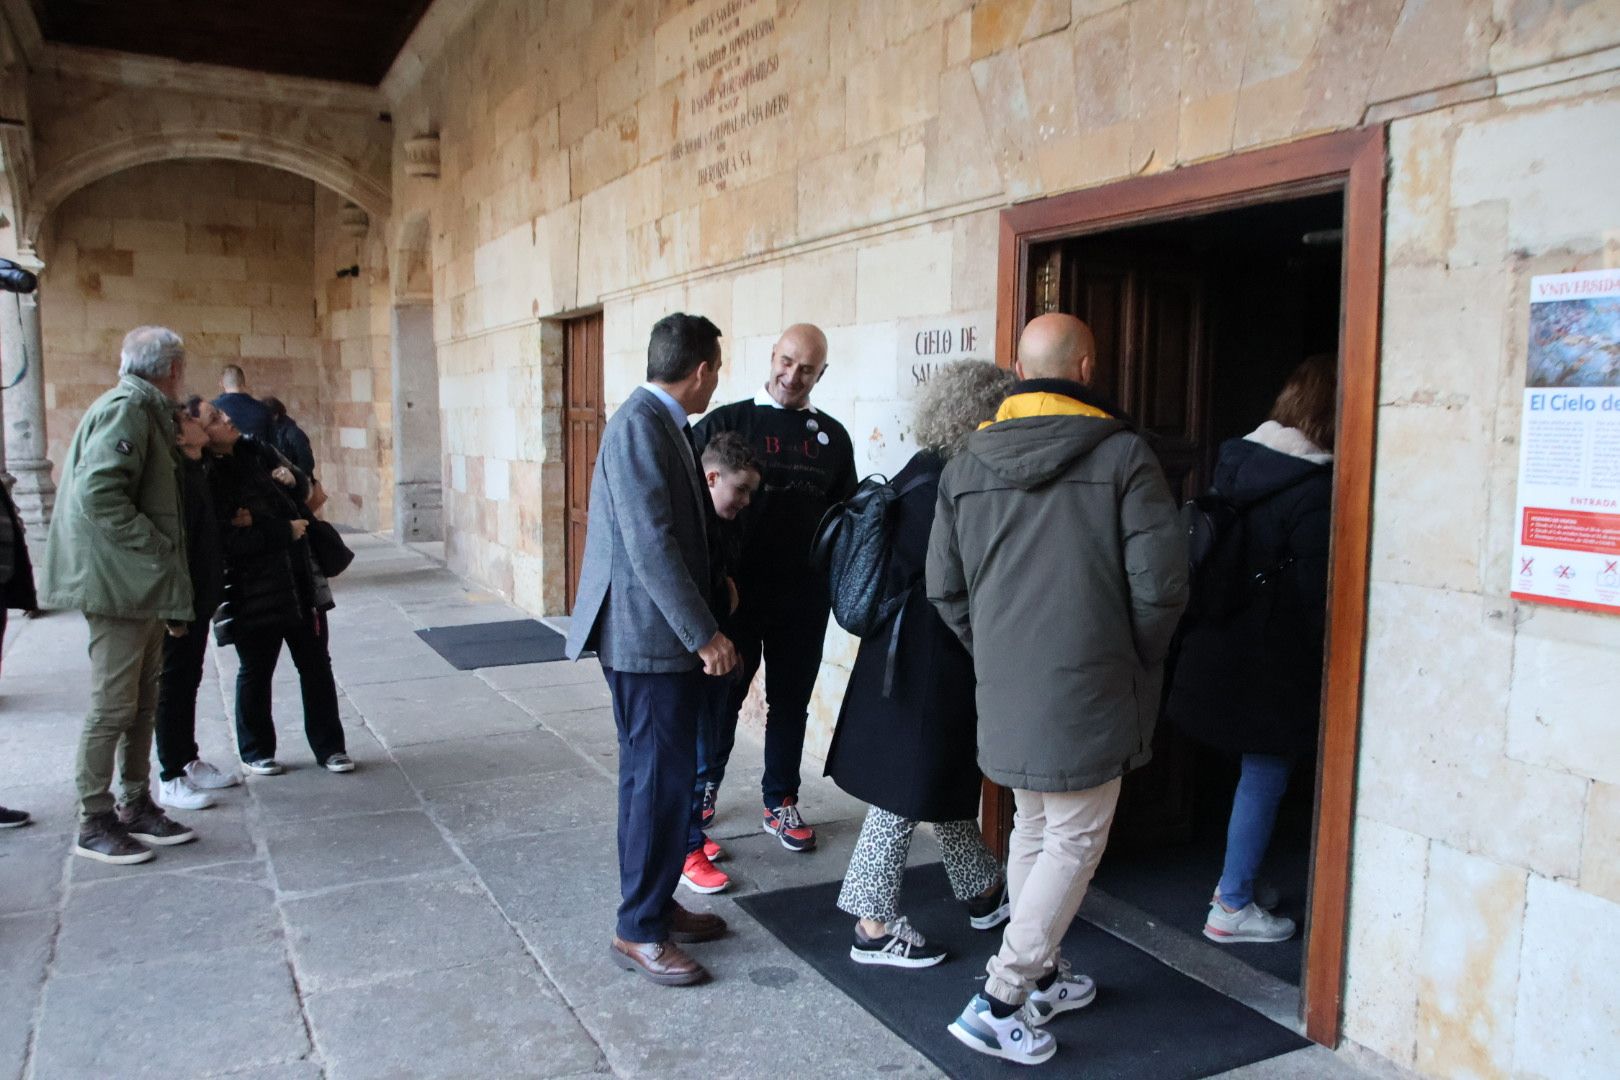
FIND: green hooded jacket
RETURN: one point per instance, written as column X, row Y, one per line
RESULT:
column 1058, row 559
column 117, row 541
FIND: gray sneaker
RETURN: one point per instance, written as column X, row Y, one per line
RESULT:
column 144, row 821
column 1249, row 923
column 1067, row 993
column 263, row 766
column 104, row 839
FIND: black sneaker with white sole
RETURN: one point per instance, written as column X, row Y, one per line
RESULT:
column 104, row 839
column 339, row 763
column 900, row 946
column 989, row 912
column 13, row 819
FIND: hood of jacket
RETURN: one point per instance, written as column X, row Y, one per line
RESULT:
column 1042, row 428
column 1253, row 467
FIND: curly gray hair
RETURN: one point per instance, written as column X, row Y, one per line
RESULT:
column 957, row 398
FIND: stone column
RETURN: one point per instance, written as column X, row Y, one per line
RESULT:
column 24, row 411
column 418, row 490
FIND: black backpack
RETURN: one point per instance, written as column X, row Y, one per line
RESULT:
column 1218, row 575
column 852, row 547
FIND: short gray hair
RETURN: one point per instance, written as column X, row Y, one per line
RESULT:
column 150, row 352
column 957, row 398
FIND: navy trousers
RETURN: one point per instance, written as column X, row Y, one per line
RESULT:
column 656, row 714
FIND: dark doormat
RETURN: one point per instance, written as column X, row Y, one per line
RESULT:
column 495, row 644
column 1148, row 1020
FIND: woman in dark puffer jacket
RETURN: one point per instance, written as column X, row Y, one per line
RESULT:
column 1249, row 682
column 274, row 594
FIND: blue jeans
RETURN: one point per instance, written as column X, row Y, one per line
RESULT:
column 1248, row 833
column 710, row 722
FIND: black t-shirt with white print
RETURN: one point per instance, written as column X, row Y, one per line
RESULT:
column 809, row 465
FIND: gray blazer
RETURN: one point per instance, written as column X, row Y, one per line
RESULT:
column 643, row 602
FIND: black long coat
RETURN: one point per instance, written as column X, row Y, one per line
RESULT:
column 270, row 580
column 912, row 754
column 1252, row 683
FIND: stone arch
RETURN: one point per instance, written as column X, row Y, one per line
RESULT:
column 56, row 184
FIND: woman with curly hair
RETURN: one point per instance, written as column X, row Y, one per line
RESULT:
column 911, row 751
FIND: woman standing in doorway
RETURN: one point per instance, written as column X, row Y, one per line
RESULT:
column 911, row 749
column 1248, row 679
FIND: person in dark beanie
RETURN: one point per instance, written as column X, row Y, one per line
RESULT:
column 184, row 779
column 289, row 438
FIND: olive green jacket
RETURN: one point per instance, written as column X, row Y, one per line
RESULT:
column 117, row 542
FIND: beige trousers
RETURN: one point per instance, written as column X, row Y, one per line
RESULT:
column 126, row 656
column 1057, row 841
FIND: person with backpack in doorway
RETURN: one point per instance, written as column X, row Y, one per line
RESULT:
column 1248, row 674
column 1058, row 560
column 782, row 618
column 905, row 740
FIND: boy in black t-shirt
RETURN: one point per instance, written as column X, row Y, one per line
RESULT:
column 809, row 465
column 732, row 473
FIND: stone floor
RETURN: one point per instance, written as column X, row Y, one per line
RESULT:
column 442, row 912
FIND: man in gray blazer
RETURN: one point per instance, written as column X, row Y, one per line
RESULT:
column 643, row 605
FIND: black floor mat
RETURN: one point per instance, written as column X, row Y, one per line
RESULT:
column 496, row 644
column 1148, row 1020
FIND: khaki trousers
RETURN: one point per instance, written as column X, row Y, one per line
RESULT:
column 1057, row 841
column 126, row 656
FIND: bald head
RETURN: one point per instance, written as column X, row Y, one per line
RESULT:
column 798, row 361
column 1056, row 347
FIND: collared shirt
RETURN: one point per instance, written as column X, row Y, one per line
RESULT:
column 676, row 409
column 764, row 400
column 677, row 412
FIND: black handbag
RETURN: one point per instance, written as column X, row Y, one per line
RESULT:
column 331, row 554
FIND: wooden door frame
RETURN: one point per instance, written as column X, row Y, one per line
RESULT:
column 1352, row 162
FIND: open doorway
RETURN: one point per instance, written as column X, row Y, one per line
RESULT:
column 1205, row 286
column 1199, row 321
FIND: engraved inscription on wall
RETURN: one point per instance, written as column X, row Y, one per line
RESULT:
column 734, row 87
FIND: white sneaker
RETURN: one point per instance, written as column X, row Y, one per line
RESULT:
column 1250, row 923
column 1067, row 993
column 204, row 777
column 1010, row 1038
column 177, row 794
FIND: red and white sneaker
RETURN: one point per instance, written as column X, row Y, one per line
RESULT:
column 700, row 875
column 787, row 826
column 713, row 851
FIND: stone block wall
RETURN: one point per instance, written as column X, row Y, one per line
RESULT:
column 1485, row 917
column 218, row 251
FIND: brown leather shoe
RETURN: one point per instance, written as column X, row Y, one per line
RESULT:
column 690, row 927
column 663, row 962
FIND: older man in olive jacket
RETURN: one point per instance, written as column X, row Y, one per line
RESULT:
column 116, row 551
column 1057, row 557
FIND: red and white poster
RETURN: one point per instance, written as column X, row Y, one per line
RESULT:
column 1567, row 547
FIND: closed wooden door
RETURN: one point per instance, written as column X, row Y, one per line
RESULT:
column 584, row 413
